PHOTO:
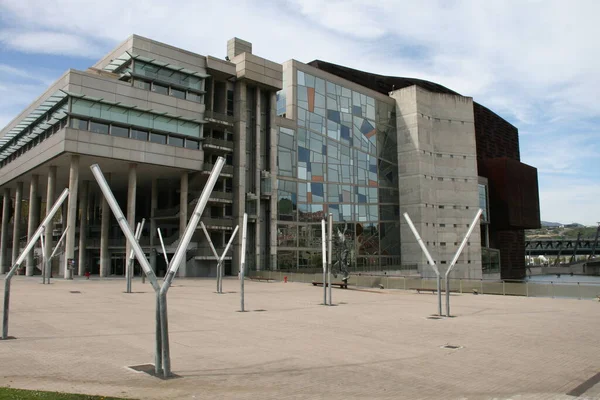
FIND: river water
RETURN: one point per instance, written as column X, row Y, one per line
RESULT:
column 564, row 278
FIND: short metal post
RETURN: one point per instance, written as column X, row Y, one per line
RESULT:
column 329, row 263
column 43, row 255
column 324, row 249
column 243, row 261
column 579, row 290
column 439, row 294
column 158, row 369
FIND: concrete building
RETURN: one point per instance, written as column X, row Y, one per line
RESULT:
column 300, row 141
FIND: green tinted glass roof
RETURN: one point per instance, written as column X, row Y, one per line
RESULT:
column 118, row 62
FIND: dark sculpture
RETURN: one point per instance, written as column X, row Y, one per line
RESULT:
column 342, row 252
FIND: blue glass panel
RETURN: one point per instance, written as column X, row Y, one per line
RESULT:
column 324, row 150
column 333, row 116
column 366, row 127
column 357, row 110
column 317, row 189
column 345, row 132
column 303, row 154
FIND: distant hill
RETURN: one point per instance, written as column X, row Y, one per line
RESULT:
column 547, row 224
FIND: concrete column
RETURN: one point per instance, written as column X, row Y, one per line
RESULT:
column 71, row 215
column 183, row 214
column 131, row 195
column 153, row 205
column 257, row 170
column 50, row 193
column 83, row 207
column 274, row 132
column 104, row 228
column 17, row 221
column 4, row 267
column 32, row 221
column 239, row 166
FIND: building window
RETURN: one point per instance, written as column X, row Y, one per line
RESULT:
column 194, row 97
column 141, row 84
column 77, row 123
column 176, row 141
column 442, row 225
column 98, row 127
column 120, row 131
column 139, row 135
column 180, row 94
column 158, row 138
column 230, row 102
column 160, row 88
column 192, row 144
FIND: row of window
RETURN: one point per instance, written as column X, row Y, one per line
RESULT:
column 35, row 141
column 133, row 133
column 168, row 90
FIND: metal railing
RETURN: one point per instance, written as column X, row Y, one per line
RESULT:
column 225, row 222
column 227, row 169
column 212, row 115
column 571, row 290
column 228, row 144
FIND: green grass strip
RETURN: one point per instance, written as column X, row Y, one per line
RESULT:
column 19, row 394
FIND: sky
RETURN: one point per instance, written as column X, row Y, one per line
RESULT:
column 535, row 63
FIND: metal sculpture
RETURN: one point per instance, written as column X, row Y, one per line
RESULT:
column 343, row 249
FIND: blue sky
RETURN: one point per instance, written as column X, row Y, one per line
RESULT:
column 535, row 63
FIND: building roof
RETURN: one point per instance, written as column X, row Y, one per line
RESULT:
column 380, row 83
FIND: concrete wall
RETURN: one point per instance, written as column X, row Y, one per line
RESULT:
column 437, row 178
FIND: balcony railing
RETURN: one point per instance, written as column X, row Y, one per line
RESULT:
column 212, row 116
column 226, row 145
column 224, row 223
column 227, row 169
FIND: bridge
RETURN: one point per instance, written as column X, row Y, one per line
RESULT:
column 562, row 247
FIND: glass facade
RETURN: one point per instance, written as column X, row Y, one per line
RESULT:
column 113, row 113
column 483, row 202
column 341, row 159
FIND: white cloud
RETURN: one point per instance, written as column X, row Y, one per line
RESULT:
column 47, row 42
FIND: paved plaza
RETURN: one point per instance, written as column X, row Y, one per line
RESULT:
column 374, row 344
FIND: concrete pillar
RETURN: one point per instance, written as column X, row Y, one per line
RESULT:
column 50, row 193
column 17, row 222
column 257, row 170
column 131, row 195
column 71, row 215
column 183, row 214
column 104, row 228
column 83, row 209
column 153, row 205
column 274, row 132
column 4, row 267
column 32, row 221
column 239, row 166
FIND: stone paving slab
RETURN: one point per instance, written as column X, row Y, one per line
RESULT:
column 374, row 344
